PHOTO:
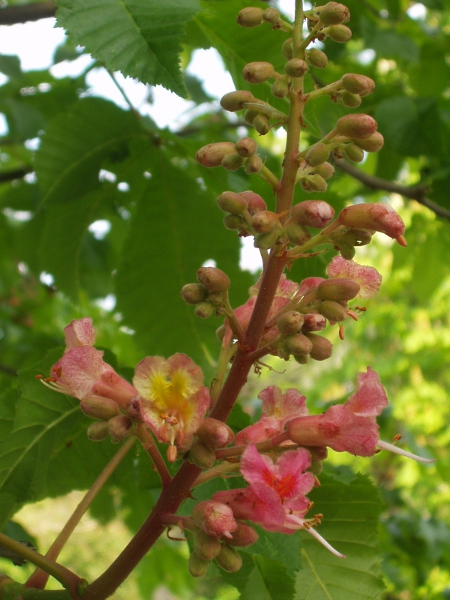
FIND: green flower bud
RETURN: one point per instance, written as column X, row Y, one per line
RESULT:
column 326, row 170
column 192, row 293
column 354, row 153
column 206, row 547
column 314, row 183
column 251, row 16
column 197, row 566
column 373, row 143
column 288, row 48
column 231, row 202
column 313, row 213
column 351, row 100
column 246, row 147
column 233, row 222
column 228, row 559
column 99, row 407
column 334, row 13
column 279, row 89
column 322, row 348
column 358, row 84
column 98, row 431
column 338, row 33
column 302, row 359
column 298, row 344
column 233, row 101
column 232, row 162
column 339, row 288
column 202, row 455
column 262, row 124
column 317, row 58
column 215, row 298
column 356, row 237
column 255, row 202
column 213, row 279
column 296, row 67
column 244, row 535
column 254, row 164
column 317, row 154
column 257, row 72
column 347, row 251
column 357, row 127
column 264, row 221
column 214, row 433
column 264, row 241
column 290, row 322
column 333, row 311
column 204, row 310
column 297, row 234
column 212, row 154
column 119, row 428
column 314, row 322
column 249, row 115
column 272, row 16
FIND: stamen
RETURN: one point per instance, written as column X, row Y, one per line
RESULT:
column 324, row 542
column 386, row 446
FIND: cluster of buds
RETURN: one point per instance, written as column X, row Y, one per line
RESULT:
column 232, row 156
column 211, row 434
column 209, row 294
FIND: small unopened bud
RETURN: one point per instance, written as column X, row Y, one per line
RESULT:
column 254, row 164
column 231, row 202
column 290, row 322
column 197, row 566
column 204, row 310
column 347, row 251
column 255, row 202
column 214, row 518
column 333, row 311
column 232, row 162
column 262, row 124
column 351, row 100
column 233, row 222
column 373, row 143
column 272, row 16
column 356, row 126
column 314, row 183
column 265, row 241
column 338, row 33
column 314, row 322
column 228, row 559
column 279, row 89
column 298, row 344
column 246, row 147
column 322, row 348
column 265, row 221
column 213, row 279
column 206, row 546
column 233, row 101
column 297, row 234
column 99, row 407
column 354, row 153
column 334, row 13
column 215, row 298
column 377, row 216
column 358, row 84
column 192, row 293
column 357, row 237
column 257, row 72
column 326, row 170
column 317, row 154
column 288, row 48
column 296, row 67
column 244, row 535
column 212, row 154
column 119, row 428
column 202, row 455
column 302, row 359
column 339, row 288
column 249, row 115
column 251, row 16
column 98, row 431
column 313, row 213
column 317, row 58
column 214, row 433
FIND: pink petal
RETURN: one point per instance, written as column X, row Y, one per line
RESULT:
column 370, row 397
column 368, row 278
column 80, row 332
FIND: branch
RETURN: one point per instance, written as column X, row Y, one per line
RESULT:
column 413, row 192
column 17, row 173
column 27, row 12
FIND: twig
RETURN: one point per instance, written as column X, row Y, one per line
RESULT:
column 27, row 12
column 17, row 173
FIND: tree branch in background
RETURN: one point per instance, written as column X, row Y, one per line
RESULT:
column 27, row 12
column 15, row 173
column 413, row 192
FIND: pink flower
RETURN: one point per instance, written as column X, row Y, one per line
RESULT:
column 80, row 332
column 368, row 278
column 277, row 409
column 173, row 399
column 377, row 216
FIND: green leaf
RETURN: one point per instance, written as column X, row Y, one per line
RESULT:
column 140, row 38
column 350, row 524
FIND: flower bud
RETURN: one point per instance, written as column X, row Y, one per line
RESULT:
column 262, row 124
column 204, row 310
column 297, row 234
column 317, row 58
column 377, row 216
column 99, row 407
column 257, row 72
column 231, row 202
column 192, row 293
column 338, row 33
column 322, row 348
column 356, row 126
column 296, row 67
column 334, row 13
column 333, row 311
column 265, row 241
column 251, row 16
column 339, row 288
column 254, row 164
column 356, row 237
column 249, row 115
column 246, row 147
column 202, row 455
column 314, row 322
column 232, row 161
column 255, row 202
column 313, row 213
column 220, row 333
column 352, row 152
column 197, row 566
column 244, row 535
column 279, row 89
column 290, row 322
column 317, row 154
column 213, row 279
column 215, row 298
column 264, row 221
column 214, row 433
column 119, row 428
column 314, row 183
column 98, row 431
column 228, row 559
column 298, row 344
column 326, row 170
column 358, row 84
column 373, row 143
column 302, row 359
column 233, row 222
column 288, row 49
column 233, row 101
column 272, row 16
column 351, row 100
column 347, row 251
column 214, row 518
column 206, row 547
column 212, row 154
